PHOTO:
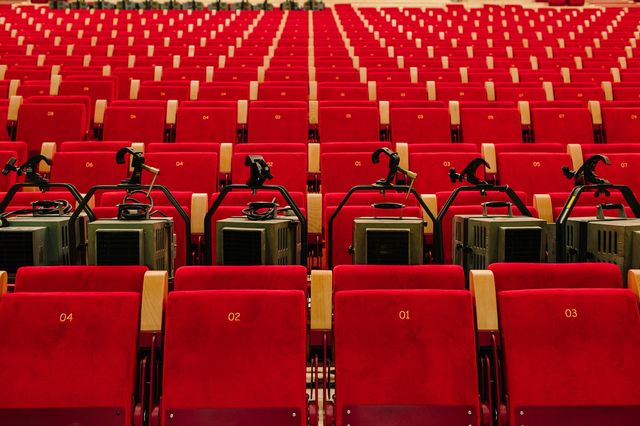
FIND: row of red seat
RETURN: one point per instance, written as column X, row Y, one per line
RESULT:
column 553, row 324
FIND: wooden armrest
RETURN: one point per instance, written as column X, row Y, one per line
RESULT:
column 321, row 300
column 483, row 289
column 154, row 298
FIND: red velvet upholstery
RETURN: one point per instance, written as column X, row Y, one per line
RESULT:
column 420, row 125
column 87, row 169
column 341, row 171
column 495, row 125
column 534, row 173
column 206, row 124
column 331, row 91
column 524, row 276
column 7, row 181
column 207, row 356
column 381, row 277
column 584, row 93
column 428, row 359
column 621, row 124
column 183, row 147
column 77, row 371
column 442, row 147
column 224, row 91
column 283, row 92
column 105, row 146
column 433, row 169
column 191, row 278
column 39, row 123
column 137, row 124
column 31, row 279
column 562, row 125
column 93, row 88
column 520, row 92
column 184, row 171
column 289, row 169
column 568, row 347
column 20, row 148
column 288, row 123
column 461, row 92
column 348, row 124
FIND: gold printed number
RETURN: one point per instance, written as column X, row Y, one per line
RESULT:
column 404, row 315
column 234, row 316
column 536, row 164
column 571, row 313
column 64, row 317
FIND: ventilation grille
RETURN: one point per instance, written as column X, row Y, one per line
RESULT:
column 522, row 244
column 480, row 236
column 388, row 247
column 118, row 247
column 16, row 250
column 243, row 246
column 607, row 242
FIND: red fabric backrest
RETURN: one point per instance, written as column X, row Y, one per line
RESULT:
column 20, row 148
column 67, row 376
column 7, row 181
column 80, row 279
column 562, row 125
column 348, row 124
column 137, row 124
column 283, row 93
column 184, row 147
column 379, row 277
column 329, row 91
column 433, row 169
column 520, row 94
column 110, row 146
column 621, row 124
column 606, row 149
column 258, row 277
column 184, row 171
column 484, row 125
column 87, row 169
column 523, row 276
column 466, row 92
column 224, row 91
column 534, row 173
column 271, row 322
column 206, row 124
column 341, row 171
column 420, row 125
column 417, row 353
column 281, row 124
column 39, row 123
column 289, row 169
column 570, row 347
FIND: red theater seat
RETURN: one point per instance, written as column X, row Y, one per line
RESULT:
column 200, row 376
column 78, row 379
column 39, row 122
column 71, row 279
column 421, row 330
column 87, row 169
column 135, row 123
column 184, row 171
column 534, row 172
